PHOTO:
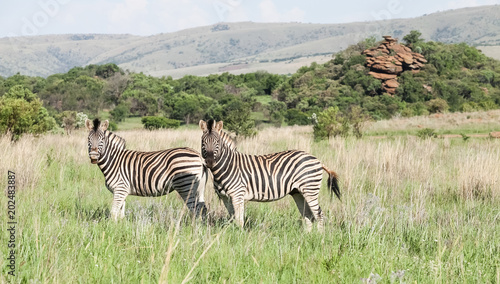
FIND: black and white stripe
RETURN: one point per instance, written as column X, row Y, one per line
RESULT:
column 239, row 177
column 155, row 173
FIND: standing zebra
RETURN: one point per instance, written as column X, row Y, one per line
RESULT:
column 239, row 177
column 155, row 173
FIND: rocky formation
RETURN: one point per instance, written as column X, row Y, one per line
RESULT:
column 390, row 59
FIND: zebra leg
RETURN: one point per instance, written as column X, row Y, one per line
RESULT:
column 239, row 210
column 311, row 197
column 201, row 209
column 190, row 192
column 122, row 210
column 229, row 205
column 304, row 209
column 118, row 205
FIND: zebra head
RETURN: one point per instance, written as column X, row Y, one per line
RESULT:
column 96, row 138
column 210, row 141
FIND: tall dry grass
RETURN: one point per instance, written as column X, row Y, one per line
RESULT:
column 383, row 167
column 481, row 122
column 423, row 205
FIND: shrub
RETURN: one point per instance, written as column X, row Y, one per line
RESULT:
column 426, row 133
column 277, row 112
column 296, row 117
column 328, row 124
column 156, row 122
column 437, row 105
column 120, row 112
column 112, row 126
column 357, row 120
column 22, row 112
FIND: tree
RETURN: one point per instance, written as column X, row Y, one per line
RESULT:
column 121, row 111
column 437, row 106
column 22, row 112
column 357, row 120
column 236, row 115
column 413, row 38
column 107, row 70
column 296, row 117
column 410, row 89
column 67, row 120
column 277, row 112
column 189, row 107
column 327, row 124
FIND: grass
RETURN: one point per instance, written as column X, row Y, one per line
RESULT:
column 130, row 123
column 264, row 100
column 448, row 123
column 413, row 210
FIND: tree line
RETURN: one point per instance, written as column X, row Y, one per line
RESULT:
column 457, row 77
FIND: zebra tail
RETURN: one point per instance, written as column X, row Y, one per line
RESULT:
column 332, row 182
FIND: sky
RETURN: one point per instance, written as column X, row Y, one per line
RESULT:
column 149, row 17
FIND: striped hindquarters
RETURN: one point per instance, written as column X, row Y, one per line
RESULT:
column 271, row 177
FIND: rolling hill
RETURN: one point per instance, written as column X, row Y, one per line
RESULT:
column 237, row 47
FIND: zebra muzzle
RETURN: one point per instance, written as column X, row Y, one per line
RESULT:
column 210, row 162
column 94, row 157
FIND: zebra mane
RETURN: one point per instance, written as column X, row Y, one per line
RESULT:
column 116, row 140
column 97, row 122
column 210, row 125
column 227, row 140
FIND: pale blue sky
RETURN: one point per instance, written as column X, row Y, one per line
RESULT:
column 147, row 17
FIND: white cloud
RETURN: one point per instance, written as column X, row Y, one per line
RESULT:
column 269, row 13
column 128, row 10
column 237, row 14
column 177, row 15
column 130, row 16
column 470, row 3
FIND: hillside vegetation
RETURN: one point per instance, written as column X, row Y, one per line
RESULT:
column 457, row 77
column 219, row 46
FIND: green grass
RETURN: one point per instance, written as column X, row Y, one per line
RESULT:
column 464, row 129
column 264, row 100
column 130, row 123
column 407, row 215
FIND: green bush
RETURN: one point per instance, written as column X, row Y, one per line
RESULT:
column 327, row 124
column 236, row 115
column 426, row 133
column 112, row 126
column 22, row 112
column 121, row 111
column 296, row 117
column 437, row 105
column 156, row 122
column 277, row 112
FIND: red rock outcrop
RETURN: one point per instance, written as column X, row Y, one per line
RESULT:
column 390, row 59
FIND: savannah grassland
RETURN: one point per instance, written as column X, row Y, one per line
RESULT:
column 413, row 210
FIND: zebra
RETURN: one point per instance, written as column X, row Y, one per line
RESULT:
column 157, row 173
column 239, row 177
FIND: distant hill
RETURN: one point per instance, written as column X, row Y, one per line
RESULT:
column 237, row 47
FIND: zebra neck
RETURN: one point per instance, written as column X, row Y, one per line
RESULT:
column 227, row 158
column 114, row 146
column 226, row 141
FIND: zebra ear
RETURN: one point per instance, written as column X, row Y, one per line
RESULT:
column 203, row 125
column 89, row 124
column 104, row 125
column 218, row 126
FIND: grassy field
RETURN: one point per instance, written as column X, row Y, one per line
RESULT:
column 413, row 210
